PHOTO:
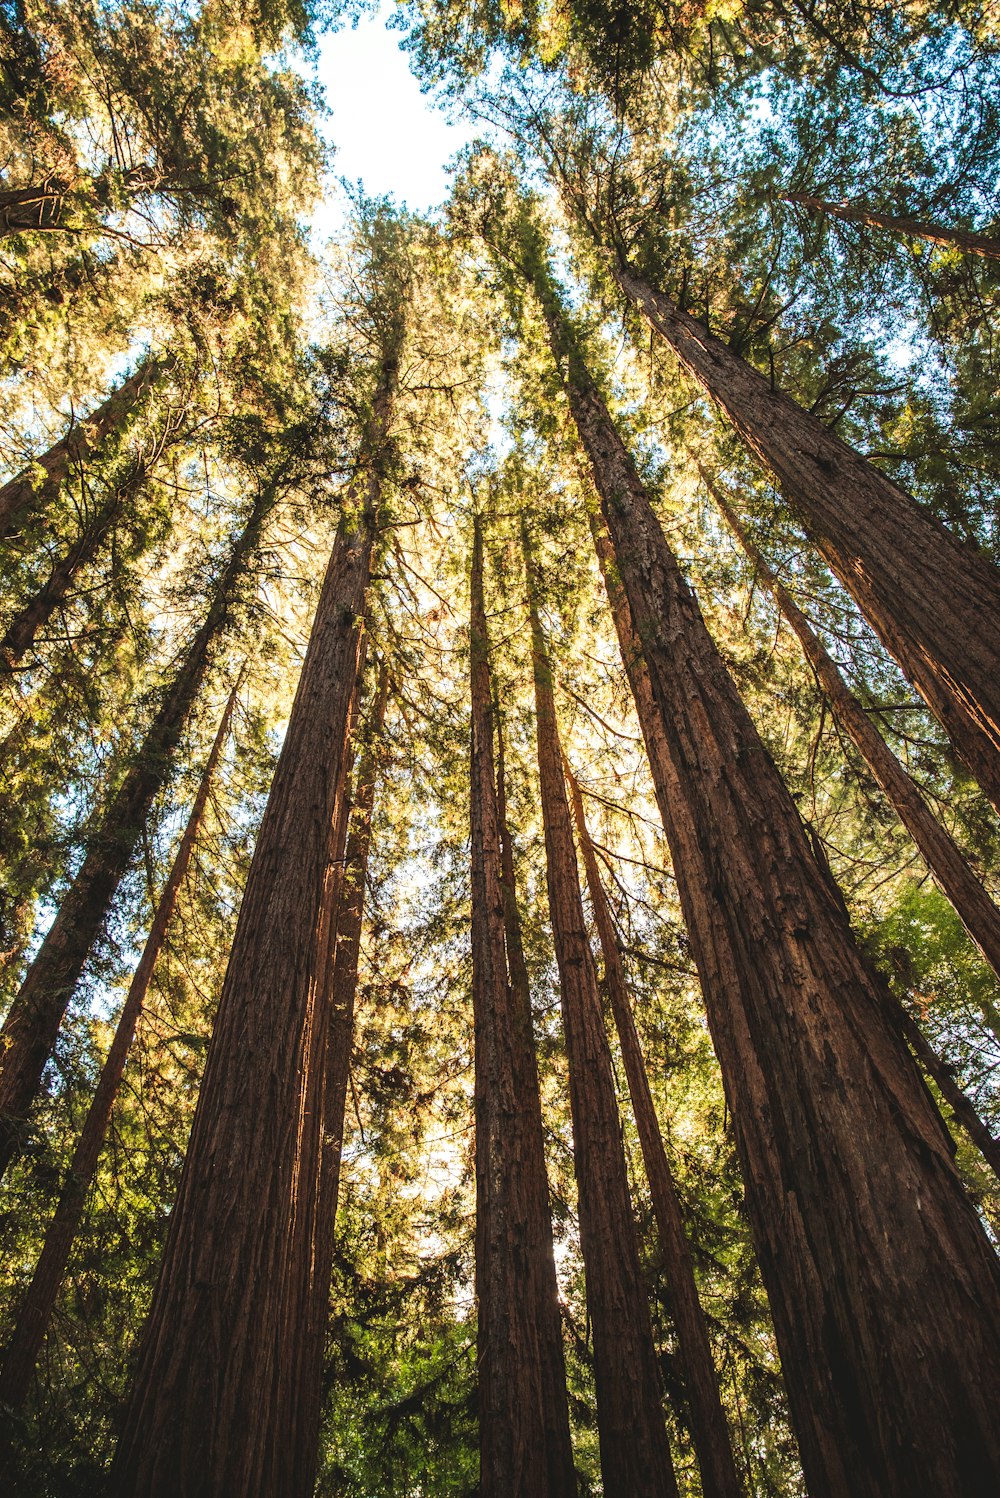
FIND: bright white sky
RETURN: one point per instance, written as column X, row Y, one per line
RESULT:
column 387, row 132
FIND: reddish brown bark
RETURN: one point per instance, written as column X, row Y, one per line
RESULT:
column 912, row 228
column 709, row 1431
column 977, row 911
column 933, row 600
column 229, row 1379
column 32, row 1026
column 31, row 493
column 635, row 1453
column 884, row 1290
column 36, row 1309
column 523, row 1410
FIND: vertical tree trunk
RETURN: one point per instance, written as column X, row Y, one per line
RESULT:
column 977, row 911
column 635, row 1454
column 347, row 952
column 523, row 1410
column 709, row 1430
column 36, row 1309
column 32, row 492
column 933, row 600
column 912, row 228
column 32, row 1026
column 229, row 1376
column 884, row 1289
column 20, row 633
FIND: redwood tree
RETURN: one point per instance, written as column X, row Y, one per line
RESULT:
column 884, row 1289
column 635, row 1453
column 523, row 1413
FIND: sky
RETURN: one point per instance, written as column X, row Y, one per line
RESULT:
column 387, row 133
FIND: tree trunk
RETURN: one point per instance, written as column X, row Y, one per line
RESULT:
column 34, row 491
column 977, row 911
column 709, row 1431
column 347, row 951
column 32, row 1026
column 884, row 1290
column 42, row 208
column 911, row 228
column 933, row 601
column 36, row 1309
column 523, row 1410
column 229, row 1376
column 960, row 1105
column 20, row 633
column 635, row 1454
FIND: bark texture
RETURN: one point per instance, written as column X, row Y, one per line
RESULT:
column 220, row 1387
column 635, row 1454
column 32, row 492
column 933, row 601
column 938, row 848
column 524, row 1436
column 911, row 228
column 32, row 1026
column 884, row 1289
column 709, row 1431
column 35, row 1313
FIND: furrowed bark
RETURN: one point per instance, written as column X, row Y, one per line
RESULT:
column 938, row 848
column 35, row 1313
column 966, row 240
column 933, row 601
column 635, row 1453
column 523, row 1410
column 30, row 1031
column 31, row 492
column 884, row 1289
column 709, row 1430
column 229, row 1376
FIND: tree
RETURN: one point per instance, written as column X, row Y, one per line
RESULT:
column 523, row 1413
column 21, row 1352
column 791, row 1005
column 911, row 228
column 635, row 1454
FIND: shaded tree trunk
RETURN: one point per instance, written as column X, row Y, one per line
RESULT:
column 884, row 1290
column 32, row 1026
column 523, row 1409
column 943, row 857
column 635, row 1454
column 933, row 601
column 48, row 207
column 36, row 1309
column 709, row 1431
column 228, row 1383
column 31, row 492
column 911, row 228
column 22, row 630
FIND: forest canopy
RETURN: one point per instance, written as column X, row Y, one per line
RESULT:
column 500, row 757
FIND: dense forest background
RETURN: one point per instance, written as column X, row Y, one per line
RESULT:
column 706, row 331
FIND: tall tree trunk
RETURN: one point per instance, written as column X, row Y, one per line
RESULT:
column 709, row 1431
column 31, row 492
column 32, row 1026
column 977, row 911
column 959, row 1103
column 36, row 1309
column 884, row 1290
column 635, row 1453
column 229, row 1373
column 523, row 1409
column 911, row 228
column 933, row 600
column 20, row 633
column 347, row 951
